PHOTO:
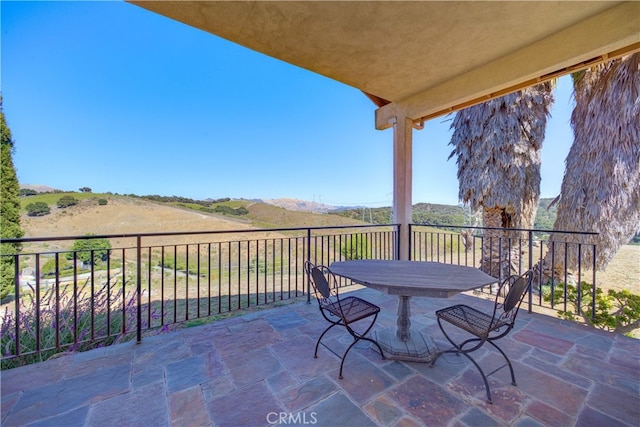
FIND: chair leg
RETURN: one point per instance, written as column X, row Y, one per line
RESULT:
column 344, row 356
column 357, row 337
column 513, row 375
column 484, row 378
column 364, row 337
column 459, row 349
column 377, row 345
column 315, row 353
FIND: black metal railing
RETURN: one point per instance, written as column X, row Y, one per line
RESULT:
column 79, row 292
column 70, row 295
column 500, row 252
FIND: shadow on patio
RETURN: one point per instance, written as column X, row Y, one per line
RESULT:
column 258, row 369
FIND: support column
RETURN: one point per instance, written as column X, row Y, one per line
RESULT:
column 402, row 180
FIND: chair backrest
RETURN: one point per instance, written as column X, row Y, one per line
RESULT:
column 510, row 296
column 318, row 278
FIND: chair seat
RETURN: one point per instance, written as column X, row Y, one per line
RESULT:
column 353, row 308
column 469, row 319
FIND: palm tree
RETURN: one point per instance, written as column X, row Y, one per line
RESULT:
column 601, row 186
column 498, row 145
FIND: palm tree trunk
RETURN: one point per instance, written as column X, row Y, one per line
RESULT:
column 499, row 255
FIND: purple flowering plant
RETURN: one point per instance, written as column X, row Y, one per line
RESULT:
column 66, row 319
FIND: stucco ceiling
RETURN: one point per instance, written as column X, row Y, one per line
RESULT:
column 420, row 59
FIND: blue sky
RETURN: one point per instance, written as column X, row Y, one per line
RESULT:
column 110, row 96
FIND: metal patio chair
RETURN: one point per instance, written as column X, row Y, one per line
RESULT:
column 340, row 311
column 486, row 327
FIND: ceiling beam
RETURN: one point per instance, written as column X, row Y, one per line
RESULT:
column 614, row 32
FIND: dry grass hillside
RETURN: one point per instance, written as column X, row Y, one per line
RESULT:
column 130, row 215
column 123, row 215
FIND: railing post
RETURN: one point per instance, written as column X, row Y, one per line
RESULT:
column 410, row 242
column 398, row 241
column 308, row 260
column 594, row 286
column 530, row 235
column 139, row 286
column 16, row 275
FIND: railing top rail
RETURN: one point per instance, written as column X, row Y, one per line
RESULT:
column 535, row 230
column 182, row 233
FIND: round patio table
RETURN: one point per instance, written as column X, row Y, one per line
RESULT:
column 408, row 279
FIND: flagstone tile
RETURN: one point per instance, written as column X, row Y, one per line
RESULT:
column 427, row 401
column 553, row 391
column 143, row 406
column 217, row 387
column 408, row 422
column 595, row 343
column 285, row 320
column 549, row 343
column 30, row 376
column 558, row 371
column 602, row 371
column 305, row 394
column 247, row 406
column 296, row 354
column 626, row 359
column 397, row 370
column 526, row 422
column 185, row 373
column 75, row 417
column 592, row 417
column 84, row 366
column 363, row 380
column 241, row 370
column 508, row 403
column 281, row 380
column 475, row 417
column 252, row 366
column 246, row 336
column 145, row 374
column 187, row 408
column 383, row 410
column 65, row 395
column 548, row 415
column 161, row 352
column 615, row 403
column 337, row 410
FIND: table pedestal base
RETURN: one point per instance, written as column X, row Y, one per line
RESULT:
column 418, row 348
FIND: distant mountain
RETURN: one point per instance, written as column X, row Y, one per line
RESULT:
column 40, row 188
column 299, row 205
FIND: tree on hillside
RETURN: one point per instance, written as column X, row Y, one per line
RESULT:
column 27, row 192
column 37, row 209
column 66, row 201
column 601, row 186
column 497, row 145
column 90, row 251
column 9, row 210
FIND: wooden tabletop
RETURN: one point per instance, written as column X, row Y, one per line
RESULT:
column 413, row 278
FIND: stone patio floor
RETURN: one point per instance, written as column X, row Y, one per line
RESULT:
column 258, row 369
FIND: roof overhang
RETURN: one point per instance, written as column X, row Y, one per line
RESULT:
column 423, row 59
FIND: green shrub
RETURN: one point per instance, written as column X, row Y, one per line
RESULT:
column 66, row 201
column 83, row 248
column 27, row 192
column 102, row 202
column 49, row 267
column 617, row 311
column 231, row 211
column 356, row 247
column 38, row 209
